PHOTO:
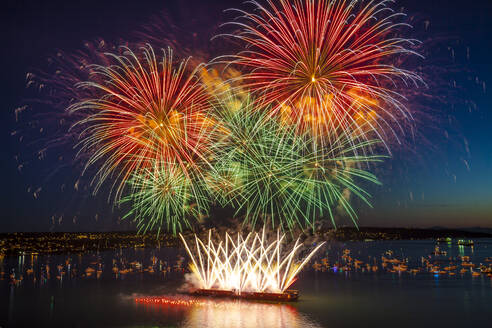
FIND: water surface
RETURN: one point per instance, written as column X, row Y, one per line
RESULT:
column 85, row 290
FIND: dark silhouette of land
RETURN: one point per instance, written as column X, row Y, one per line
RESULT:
column 365, row 233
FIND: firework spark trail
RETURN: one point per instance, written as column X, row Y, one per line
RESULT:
column 250, row 263
column 147, row 109
column 326, row 64
column 270, row 172
column 45, row 128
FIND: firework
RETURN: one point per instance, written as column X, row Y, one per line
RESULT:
column 250, row 263
column 271, row 173
column 166, row 197
column 326, row 64
column 146, row 109
column 173, row 140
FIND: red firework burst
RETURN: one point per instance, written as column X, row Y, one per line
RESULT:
column 326, row 64
column 146, row 110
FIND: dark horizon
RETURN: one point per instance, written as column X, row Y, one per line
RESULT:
column 449, row 186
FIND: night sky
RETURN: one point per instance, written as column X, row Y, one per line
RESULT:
column 447, row 184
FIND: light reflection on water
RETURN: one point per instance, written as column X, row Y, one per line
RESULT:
column 235, row 313
column 246, row 315
column 60, row 289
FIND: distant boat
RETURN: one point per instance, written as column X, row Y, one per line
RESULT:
column 437, row 251
column 462, row 242
column 444, row 240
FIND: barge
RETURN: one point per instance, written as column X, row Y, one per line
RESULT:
column 287, row 296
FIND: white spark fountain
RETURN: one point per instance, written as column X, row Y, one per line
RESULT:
column 246, row 264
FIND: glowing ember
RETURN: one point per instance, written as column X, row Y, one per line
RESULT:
column 169, row 301
column 245, row 264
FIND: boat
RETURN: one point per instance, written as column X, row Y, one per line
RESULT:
column 287, row 296
column 462, row 242
column 444, row 240
column 438, row 252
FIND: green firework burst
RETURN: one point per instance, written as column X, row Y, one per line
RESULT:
column 166, row 197
column 270, row 172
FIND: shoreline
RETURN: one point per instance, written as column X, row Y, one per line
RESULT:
column 38, row 243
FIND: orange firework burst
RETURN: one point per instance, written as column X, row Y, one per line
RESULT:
column 146, row 110
column 327, row 64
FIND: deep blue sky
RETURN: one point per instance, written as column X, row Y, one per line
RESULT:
column 437, row 189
